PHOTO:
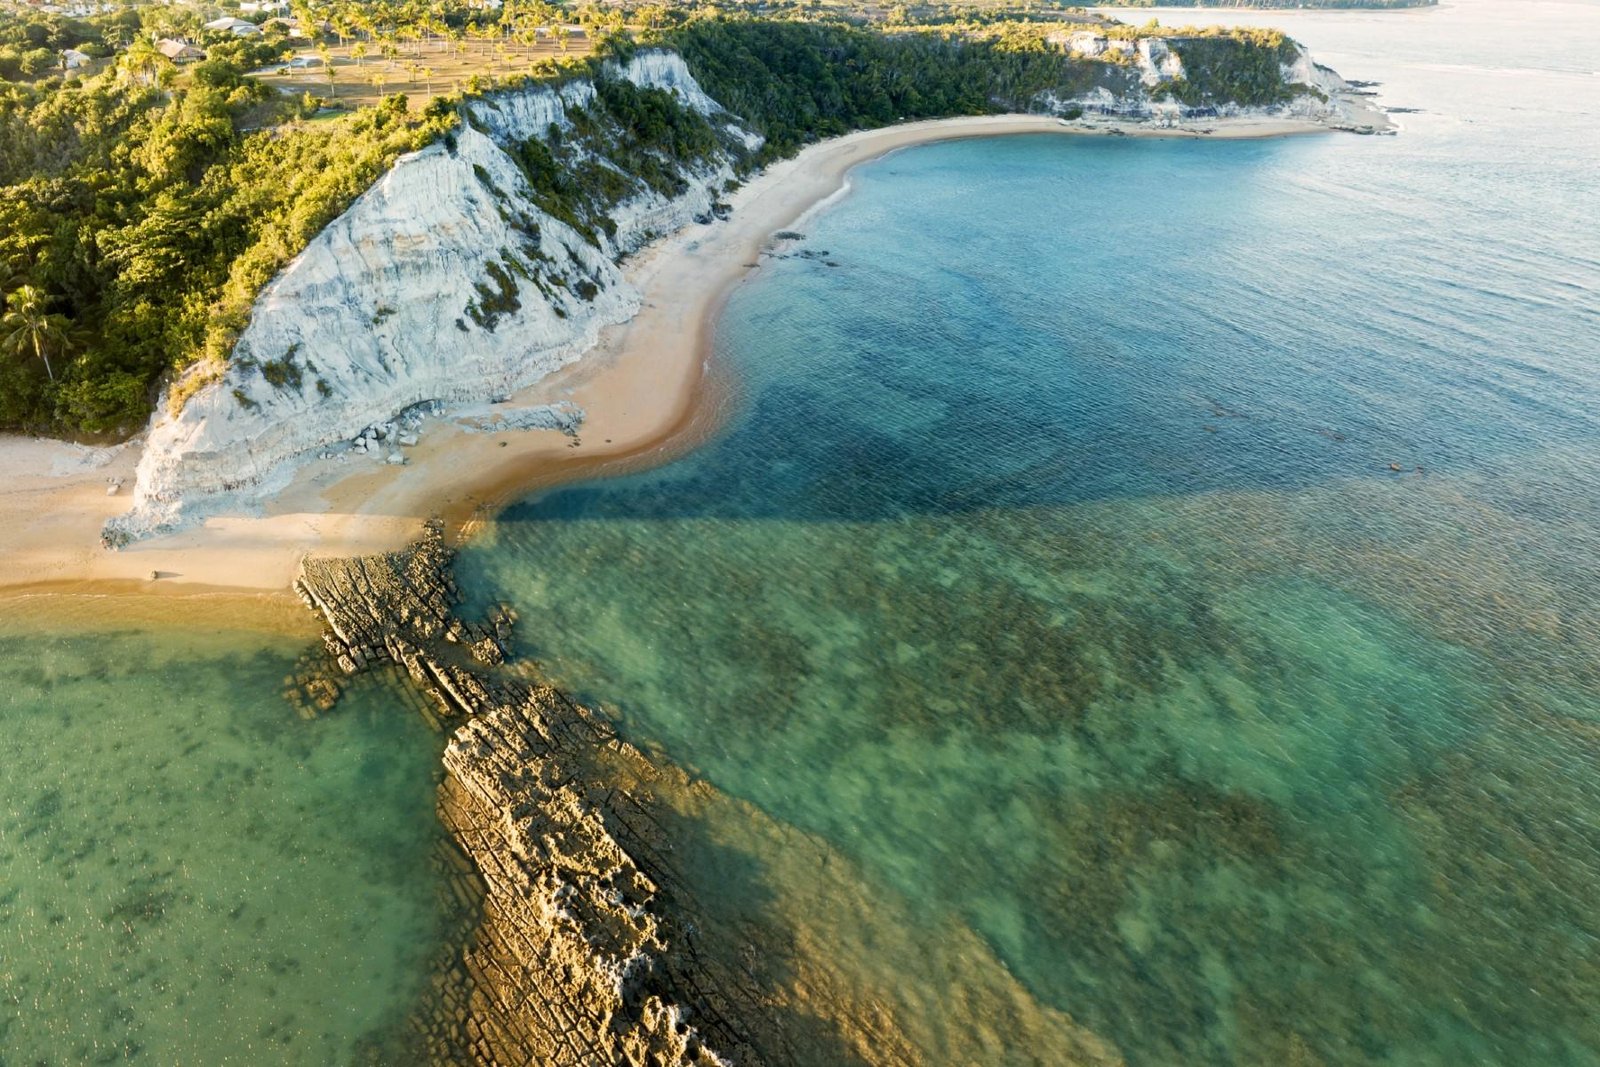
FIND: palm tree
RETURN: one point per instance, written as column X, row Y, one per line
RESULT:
column 326, row 55
column 143, row 62
column 340, row 22
column 27, row 326
column 484, row 32
column 441, row 32
column 454, row 40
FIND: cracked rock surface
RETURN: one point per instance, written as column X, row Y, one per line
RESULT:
column 570, row 962
column 613, row 910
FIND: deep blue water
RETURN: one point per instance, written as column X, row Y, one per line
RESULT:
column 1054, row 569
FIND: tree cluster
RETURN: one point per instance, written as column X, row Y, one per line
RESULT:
column 137, row 224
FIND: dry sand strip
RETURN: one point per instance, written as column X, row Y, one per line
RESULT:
column 647, row 389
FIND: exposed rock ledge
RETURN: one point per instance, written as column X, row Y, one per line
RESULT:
column 571, row 962
column 597, row 933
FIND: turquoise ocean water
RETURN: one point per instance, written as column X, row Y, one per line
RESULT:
column 1051, row 568
column 1054, row 565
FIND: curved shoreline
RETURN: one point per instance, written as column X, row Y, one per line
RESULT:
column 647, row 389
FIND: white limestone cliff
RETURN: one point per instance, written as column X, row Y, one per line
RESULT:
column 1329, row 99
column 1326, row 97
column 446, row 283
column 384, row 309
column 1156, row 61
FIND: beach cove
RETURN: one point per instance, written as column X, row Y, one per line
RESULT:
column 647, row 390
column 653, row 388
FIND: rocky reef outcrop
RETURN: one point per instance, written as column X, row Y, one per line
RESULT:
column 571, row 962
column 597, row 923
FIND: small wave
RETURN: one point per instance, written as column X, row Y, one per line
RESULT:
column 1503, row 72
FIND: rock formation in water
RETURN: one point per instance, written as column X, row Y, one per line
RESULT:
column 602, row 930
column 571, row 963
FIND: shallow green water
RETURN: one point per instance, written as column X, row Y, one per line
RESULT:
column 1054, row 569
column 189, row 873
column 1215, row 809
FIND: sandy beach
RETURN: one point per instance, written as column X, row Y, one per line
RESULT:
column 647, row 389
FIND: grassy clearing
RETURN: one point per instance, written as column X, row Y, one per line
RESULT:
column 361, row 77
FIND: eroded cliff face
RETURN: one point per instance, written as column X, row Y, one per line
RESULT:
column 1134, row 90
column 455, row 280
column 446, row 281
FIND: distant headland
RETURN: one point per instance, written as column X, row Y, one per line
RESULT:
column 1283, row 5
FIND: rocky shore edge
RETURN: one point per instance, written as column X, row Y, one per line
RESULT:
column 573, row 956
column 604, row 906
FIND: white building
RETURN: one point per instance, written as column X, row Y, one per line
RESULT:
column 237, row 27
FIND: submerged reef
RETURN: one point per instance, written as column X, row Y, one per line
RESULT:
column 620, row 911
column 569, row 964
